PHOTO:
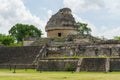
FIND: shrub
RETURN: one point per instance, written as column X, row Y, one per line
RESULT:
column 69, row 67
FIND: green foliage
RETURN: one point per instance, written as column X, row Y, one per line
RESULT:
column 59, row 46
column 6, row 39
column 117, row 37
column 69, row 67
column 21, row 74
column 16, row 44
column 82, row 28
column 21, row 31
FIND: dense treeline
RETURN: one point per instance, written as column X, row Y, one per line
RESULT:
column 6, row 39
column 17, row 33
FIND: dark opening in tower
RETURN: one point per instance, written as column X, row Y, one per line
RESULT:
column 59, row 35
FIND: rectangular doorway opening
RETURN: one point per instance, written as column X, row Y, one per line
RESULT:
column 59, row 35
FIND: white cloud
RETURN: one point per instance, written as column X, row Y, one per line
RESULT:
column 110, row 33
column 14, row 11
column 104, row 6
column 84, row 5
column 113, row 6
column 49, row 12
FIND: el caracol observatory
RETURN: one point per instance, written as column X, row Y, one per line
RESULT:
column 61, row 24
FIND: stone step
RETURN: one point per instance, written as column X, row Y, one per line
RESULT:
column 79, row 65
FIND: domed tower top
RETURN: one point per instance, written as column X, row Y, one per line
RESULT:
column 65, row 11
column 62, row 20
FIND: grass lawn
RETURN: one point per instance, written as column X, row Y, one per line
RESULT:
column 33, row 75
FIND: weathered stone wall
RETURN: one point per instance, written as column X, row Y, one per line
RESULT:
column 88, row 64
column 56, row 64
column 99, row 51
column 115, row 64
column 77, row 50
column 93, row 64
column 18, row 55
column 64, row 32
column 27, row 43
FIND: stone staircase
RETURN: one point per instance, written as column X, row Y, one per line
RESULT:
column 42, row 54
column 79, row 65
column 107, row 65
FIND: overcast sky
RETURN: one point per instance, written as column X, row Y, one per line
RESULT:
column 102, row 16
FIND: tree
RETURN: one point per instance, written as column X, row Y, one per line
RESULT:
column 82, row 28
column 117, row 37
column 21, row 31
column 6, row 39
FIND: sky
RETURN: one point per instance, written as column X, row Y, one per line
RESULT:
column 102, row 16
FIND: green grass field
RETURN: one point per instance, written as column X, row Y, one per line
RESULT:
column 33, row 75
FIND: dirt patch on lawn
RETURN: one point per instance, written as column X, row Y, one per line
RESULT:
column 12, row 74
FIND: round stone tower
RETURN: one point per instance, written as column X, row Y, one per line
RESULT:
column 61, row 24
